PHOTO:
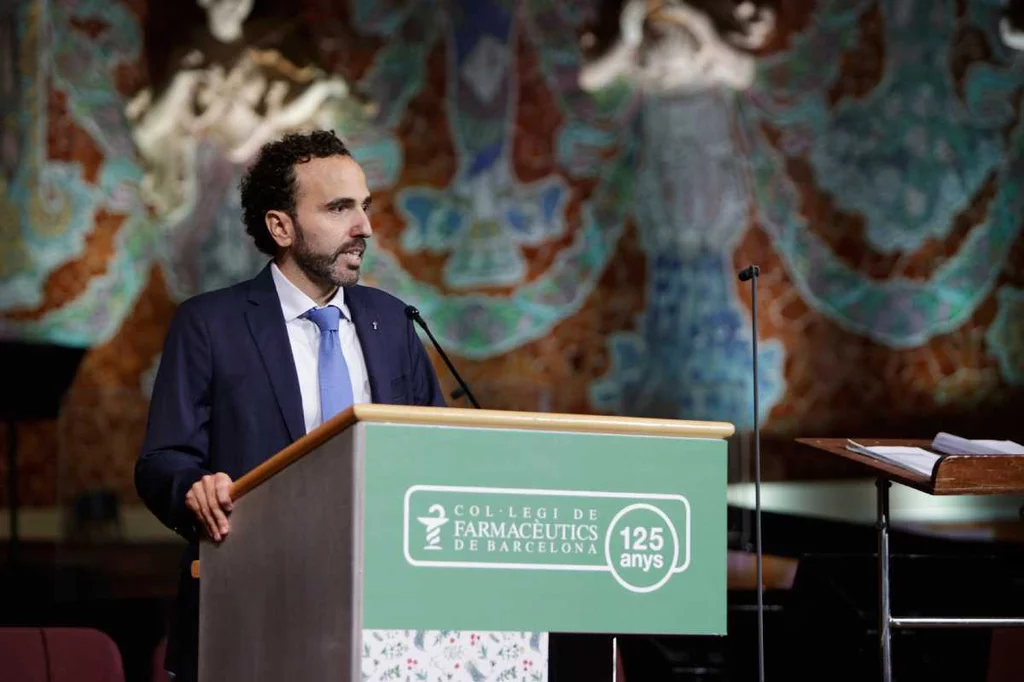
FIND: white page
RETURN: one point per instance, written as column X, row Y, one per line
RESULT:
column 955, row 445
column 1006, row 447
column 912, row 458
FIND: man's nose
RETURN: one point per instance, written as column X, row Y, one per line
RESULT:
column 363, row 228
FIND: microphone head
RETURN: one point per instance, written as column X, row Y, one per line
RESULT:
column 749, row 273
column 411, row 312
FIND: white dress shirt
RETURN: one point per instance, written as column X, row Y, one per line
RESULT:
column 304, row 337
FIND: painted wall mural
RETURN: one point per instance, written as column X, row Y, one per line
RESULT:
column 574, row 247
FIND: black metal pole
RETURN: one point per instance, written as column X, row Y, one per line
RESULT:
column 884, row 613
column 757, row 493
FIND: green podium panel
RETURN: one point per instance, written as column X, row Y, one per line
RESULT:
column 519, row 530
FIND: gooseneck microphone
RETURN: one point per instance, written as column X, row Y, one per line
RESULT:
column 413, row 314
column 750, row 275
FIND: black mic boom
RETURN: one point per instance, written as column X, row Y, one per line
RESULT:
column 413, row 314
column 750, row 275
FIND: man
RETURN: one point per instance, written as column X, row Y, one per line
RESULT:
column 249, row 369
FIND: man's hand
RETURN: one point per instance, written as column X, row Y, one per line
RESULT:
column 209, row 500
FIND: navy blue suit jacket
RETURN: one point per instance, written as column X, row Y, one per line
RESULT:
column 226, row 397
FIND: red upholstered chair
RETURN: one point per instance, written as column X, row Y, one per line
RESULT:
column 82, row 655
column 58, row 655
column 23, row 655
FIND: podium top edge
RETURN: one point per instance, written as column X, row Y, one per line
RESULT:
column 533, row 421
column 455, row 417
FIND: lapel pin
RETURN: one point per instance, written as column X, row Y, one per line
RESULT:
column 375, row 325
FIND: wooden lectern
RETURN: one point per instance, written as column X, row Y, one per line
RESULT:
column 418, row 518
column 952, row 475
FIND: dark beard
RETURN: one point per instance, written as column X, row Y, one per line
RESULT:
column 320, row 267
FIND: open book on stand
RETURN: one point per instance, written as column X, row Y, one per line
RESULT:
column 923, row 461
column 949, row 444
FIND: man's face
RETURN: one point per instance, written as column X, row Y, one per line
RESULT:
column 331, row 225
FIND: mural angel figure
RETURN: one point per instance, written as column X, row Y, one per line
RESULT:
column 676, row 46
column 237, row 86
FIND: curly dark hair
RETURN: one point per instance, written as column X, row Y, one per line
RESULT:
column 269, row 184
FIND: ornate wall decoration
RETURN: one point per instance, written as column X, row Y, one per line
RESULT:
column 890, row 168
column 574, row 248
column 484, row 217
column 692, row 354
column 1011, row 26
column 1006, row 335
column 677, row 46
column 239, row 81
column 72, row 177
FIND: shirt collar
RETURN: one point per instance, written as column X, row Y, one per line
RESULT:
column 295, row 303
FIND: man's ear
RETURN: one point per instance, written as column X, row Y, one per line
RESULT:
column 281, row 228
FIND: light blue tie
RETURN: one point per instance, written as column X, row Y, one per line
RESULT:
column 332, row 371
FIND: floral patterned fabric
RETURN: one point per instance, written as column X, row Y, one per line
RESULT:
column 446, row 656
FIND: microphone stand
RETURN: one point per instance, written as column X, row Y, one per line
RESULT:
column 750, row 274
column 413, row 314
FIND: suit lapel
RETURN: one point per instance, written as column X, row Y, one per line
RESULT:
column 368, row 330
column 266, row 324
